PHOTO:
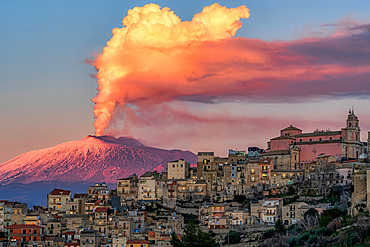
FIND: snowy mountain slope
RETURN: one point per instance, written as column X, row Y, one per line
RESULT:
column 92, row 159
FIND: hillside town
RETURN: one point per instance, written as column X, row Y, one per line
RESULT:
column 245, row 199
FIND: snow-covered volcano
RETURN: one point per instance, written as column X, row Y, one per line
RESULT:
column 92, row 159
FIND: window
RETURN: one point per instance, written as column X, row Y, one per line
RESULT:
column 252, row 171
column 331, row 138
column 300, row 140
column 173, row 166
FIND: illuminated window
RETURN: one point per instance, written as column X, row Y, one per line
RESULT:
column 252, row 171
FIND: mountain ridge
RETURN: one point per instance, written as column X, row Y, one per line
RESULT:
column 91, row 159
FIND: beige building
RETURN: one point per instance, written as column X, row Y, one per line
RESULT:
column 119, row 241
column 205, row 163
column 73, row 222
column 267, row 211
column 57, row 199
column 54, row 228
column 100, row 220
column 368, row 186
column 214, row 216
column 127, row 188
column 178, row 169
column 292, row 214
column 89, row 238
column 285, row 177
column 359, row 195
column 170, row 193
column 281, row 158
column 147, row 187
column 271, row 209
column 253, row 173
column 239, row 217
column 191, row 190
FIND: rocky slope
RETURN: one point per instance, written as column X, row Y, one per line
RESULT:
column 92, row 159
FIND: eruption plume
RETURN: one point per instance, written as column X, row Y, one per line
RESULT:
column 151, row 58
column 156, row 68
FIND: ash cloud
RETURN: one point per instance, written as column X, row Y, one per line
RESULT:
column 155, row 64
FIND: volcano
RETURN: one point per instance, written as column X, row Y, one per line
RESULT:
column 92, row 159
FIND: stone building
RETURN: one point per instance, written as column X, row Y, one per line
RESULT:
column 127, row 188
column 292, row 214
column 178, row 169
column 204, row 163
column 345, row 143
column 57, row 199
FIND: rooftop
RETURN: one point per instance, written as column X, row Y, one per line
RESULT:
column 138, row 241
column 101, row 209
column 55, row 192
column 24, row 227
column 291, row 127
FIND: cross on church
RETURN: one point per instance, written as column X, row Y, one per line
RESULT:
column 314, row 151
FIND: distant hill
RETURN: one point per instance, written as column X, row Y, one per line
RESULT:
column 92, row 159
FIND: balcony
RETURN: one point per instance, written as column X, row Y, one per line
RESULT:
column 270, row 213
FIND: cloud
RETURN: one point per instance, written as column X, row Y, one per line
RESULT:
column 155, row 65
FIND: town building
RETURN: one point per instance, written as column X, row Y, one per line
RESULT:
column 178, row 169
column 57, row 199
column 344, row 144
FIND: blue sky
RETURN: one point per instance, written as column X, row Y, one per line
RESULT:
column 45, row 88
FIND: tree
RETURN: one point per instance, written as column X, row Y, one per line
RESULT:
column 311, row 213
column 291, row 190
column 328, row 215
column 279, row 226
column 233, row 237
column 193, row 237
column 175, row 241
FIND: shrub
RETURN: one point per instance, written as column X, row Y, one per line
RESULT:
column 268, row 234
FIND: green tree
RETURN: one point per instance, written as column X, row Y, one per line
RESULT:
column 279, row 226
column 175, row 241
column 291, row 190
column 328, row 215
column 311, row 213
column 193, row 237
column 233, row 237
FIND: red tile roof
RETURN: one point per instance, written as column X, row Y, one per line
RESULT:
column 24, row 226
column 101, row 209
column 138, row 241
column 72, row 244
column 60, row 192
column 80, row 195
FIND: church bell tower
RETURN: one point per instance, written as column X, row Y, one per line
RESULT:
column 351, row 143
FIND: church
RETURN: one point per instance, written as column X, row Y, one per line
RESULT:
column 295, row 147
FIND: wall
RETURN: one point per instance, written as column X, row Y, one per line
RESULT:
column 310, row 152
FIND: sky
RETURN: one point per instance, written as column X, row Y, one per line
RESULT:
column 310, row 64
